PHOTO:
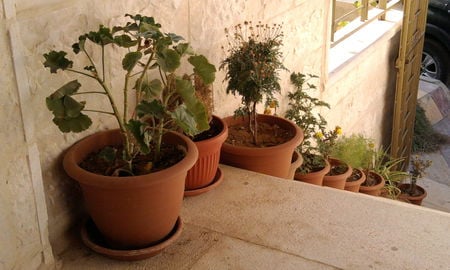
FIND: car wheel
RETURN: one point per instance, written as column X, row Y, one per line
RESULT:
column 435, row 61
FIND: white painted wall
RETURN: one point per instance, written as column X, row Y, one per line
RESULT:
column 38, row 203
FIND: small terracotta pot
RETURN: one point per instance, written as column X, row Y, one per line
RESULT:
column 204, row 170
column 412, row 199
column 297, row 161
column 315, row 178
column 337, row 181
column 272, row 160
column 135, row 211
column 374, row 190
column 353, row 186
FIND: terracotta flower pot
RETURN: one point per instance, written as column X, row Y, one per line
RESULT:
column 374, row 190
column 297, row 161
column 337, row 181
column 272, row 160
column 135, row 211
column 315, row 178
column 205, row 169
column 354, row 186
column 412, row 199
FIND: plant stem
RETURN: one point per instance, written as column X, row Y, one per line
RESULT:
column 82, row 73
column 97, row 111
column 114, row 108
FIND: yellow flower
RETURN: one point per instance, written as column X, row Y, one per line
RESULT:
column 267, row 111
column 273, row 104
column 371, row 145
column 319, row 135
column 338, row 130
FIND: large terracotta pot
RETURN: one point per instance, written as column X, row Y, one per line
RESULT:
column 315, row 178
column 205, row 169
column 135, row 211
column 337, row 181
column 354, row 185
column 273, row 160
column 374, row 190
column 297, row 161
column 412, row 199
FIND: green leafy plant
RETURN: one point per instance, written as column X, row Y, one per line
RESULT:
column 426, row 139
column 302, row 110
column 164, row 98
column 252, row 65
column 386, row 166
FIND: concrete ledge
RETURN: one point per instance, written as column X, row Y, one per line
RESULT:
column 254, row 221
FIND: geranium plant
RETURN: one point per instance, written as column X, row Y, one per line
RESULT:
column 164, row 98
column 252, row 66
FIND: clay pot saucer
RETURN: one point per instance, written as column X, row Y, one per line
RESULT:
column 216, row 182
column 92, row 238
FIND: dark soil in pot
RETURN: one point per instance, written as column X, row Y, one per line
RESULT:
column 268, row 135
column 108, row 161
column 215, row 127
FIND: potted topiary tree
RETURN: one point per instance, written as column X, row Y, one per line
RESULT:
column 133, row 177
column 301, row 110
column 252, row 66
column 413, row 192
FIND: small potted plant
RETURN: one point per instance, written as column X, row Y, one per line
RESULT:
column 206, row 174
column 355, row 151
column 413, row 192
column 302, row 111
column 252, row 66
column 385, row 165
column 340, row 170
column 132, row 177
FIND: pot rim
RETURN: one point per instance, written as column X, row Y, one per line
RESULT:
column 73, row 157
column 255, row 151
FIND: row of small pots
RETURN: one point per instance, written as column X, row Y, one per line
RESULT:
column 340, row 181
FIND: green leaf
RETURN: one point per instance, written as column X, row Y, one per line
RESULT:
column 195, row 108
column 77, row 47
column 78, row 124
column 203, row 68
column 57, row 60
column 130, row 60
column 125, row 41
column 185, row 120
column 147, row 30
column 102, row 37
column 137, row 129
column 152, row 89
column 72, row 107
column 153, row 109
column 68, row 89
column 183, row 48
column 174, row 37
column 168, row 60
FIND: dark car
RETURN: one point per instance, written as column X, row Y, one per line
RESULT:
column 436, row 51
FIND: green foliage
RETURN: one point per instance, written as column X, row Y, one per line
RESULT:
column 386, row 166
column 162, row 103
column 354, row 150
column 425, row 138
column 302, row 110
column 254, row 59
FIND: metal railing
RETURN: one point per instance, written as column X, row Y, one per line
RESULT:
column 360, row 10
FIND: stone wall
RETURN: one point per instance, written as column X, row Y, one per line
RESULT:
column 38, row 26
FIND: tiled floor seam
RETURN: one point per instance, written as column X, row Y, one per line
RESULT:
column 257, row 244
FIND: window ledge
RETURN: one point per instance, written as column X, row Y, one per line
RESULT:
column 345, row 51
